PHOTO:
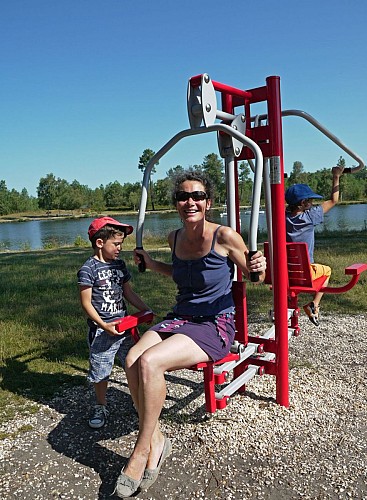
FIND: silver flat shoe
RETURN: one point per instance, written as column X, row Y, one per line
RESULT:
column 126, row 486
column 150, row 475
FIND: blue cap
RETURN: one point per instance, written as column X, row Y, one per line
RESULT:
column 299, row 192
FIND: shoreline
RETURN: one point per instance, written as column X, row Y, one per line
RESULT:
column 60, row 215
column 86, row 215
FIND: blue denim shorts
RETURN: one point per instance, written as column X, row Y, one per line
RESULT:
column 103, row 348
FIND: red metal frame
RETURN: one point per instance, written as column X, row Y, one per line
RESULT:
column 269, row 139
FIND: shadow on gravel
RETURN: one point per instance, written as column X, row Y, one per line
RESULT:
column 73, row 438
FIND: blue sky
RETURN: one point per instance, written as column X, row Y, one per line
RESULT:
column 87, row 85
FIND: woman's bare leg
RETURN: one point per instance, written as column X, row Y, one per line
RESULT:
column 177, row 351
column 149, row 339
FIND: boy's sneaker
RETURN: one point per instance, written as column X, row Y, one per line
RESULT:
column 312, row 312
column 98, row 417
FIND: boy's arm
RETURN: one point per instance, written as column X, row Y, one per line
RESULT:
column 85, row 293
column 134, row 299
column 334, row 197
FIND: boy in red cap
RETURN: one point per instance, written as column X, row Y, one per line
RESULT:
column 104, row 285
column 301, row 218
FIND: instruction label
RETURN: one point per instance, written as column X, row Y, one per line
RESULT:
column 275, row 177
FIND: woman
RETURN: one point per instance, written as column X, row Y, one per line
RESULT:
column 201, row 327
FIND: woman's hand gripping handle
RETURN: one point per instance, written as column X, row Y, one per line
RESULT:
column 257, row 266
column 140, row 258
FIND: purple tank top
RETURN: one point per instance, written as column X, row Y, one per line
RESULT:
column 204, row 285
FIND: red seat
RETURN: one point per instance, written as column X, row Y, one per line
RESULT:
column 300, row 277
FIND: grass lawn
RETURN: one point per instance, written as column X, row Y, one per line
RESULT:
column 42, row 341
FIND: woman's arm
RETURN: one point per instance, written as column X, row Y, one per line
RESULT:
column 238, row 252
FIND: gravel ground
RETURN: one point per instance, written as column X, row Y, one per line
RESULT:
column 253, row 449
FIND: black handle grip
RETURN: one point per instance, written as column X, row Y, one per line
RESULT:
column 347, row 170
column 142, row 265
column 254, row 277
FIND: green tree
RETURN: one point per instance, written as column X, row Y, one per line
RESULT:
column 130, row 188
column 298, row 175
column 162, row 190
column 134, row 199
column 131, row 193
column 47, row 192
column 97, row 199
column 361, row 178
column 171, row 176
column 321, row 182
column 72, row 197
column 143, row 162
column 172, row 172
column 27, row 202
column 61, row 189
column 245, row 183
column 213, row 167
column 114, row 195
column 351, row 188
column 4, row 199
column 14, row 202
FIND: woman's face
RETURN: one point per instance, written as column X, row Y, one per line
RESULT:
column 192, row 207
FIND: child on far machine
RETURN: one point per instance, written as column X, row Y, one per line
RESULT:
column 301, row 218
column 104, row 285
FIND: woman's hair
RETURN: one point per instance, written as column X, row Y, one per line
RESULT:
column 192, row 175
column 105, row 233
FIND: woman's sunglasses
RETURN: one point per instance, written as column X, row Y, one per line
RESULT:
column 195, row 196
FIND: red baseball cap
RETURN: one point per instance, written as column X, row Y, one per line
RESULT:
column 97, row 224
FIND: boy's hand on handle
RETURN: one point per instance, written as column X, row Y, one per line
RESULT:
column 110, row 328
column 132, row 320
column 337, row 171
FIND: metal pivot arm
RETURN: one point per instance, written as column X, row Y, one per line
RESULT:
column 325, row 131
column 216, row 127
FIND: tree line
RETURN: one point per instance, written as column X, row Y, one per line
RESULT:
column 54, row 193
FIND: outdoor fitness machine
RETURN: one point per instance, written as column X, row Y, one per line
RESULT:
column 258, row 139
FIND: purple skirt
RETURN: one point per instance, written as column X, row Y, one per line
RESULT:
column 213, row 334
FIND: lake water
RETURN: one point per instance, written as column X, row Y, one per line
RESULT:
column 37, row 234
